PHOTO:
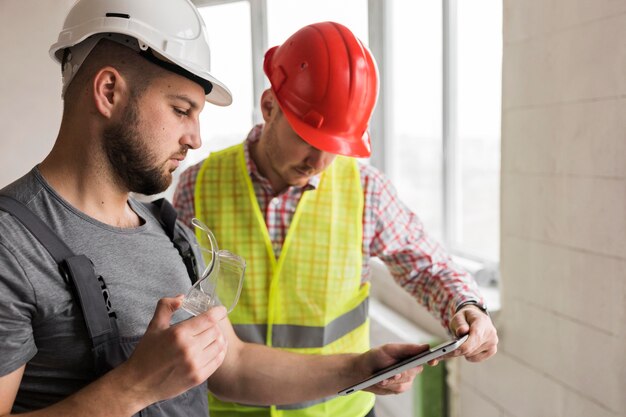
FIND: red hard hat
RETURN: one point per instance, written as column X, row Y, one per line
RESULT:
column 326, row 83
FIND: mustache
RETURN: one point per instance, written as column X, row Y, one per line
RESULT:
column 306, row 169
column 181, row 154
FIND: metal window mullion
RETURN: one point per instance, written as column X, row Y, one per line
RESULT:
column 449, row 118
column 258, row 31
column 378, row 32
column 258, row 34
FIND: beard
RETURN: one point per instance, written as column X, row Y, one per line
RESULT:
column 130, row 158
column 276, row 156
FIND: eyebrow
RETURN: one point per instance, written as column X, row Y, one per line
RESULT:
column 186, row 99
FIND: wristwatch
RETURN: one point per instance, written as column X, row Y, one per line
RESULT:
column 482, row 307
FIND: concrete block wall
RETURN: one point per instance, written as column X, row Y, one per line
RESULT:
column 563, row 241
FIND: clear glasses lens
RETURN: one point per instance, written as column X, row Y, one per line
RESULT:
column 221, row 282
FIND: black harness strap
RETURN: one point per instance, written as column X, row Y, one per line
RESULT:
column 167, row 217
column 78, row 268
column 57, row 248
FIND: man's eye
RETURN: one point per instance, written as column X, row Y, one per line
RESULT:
column 181, row 112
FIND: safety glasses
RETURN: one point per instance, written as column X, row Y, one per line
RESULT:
column 221, row 282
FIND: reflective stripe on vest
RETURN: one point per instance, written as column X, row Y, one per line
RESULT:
column 298, row 406
column 295, row 336
column 310, row 299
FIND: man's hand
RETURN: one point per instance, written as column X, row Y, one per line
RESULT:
column 376, row 359
column 170, row 360
column 483, row 338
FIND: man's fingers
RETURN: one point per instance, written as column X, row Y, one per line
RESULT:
column 200, row 323
column 215, row 351
column 402, row 350
column 163, row 312
column 397, row 383
column 459, row 325
column 480, row 355
column 461, row 329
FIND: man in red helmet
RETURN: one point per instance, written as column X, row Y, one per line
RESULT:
column 293, row 201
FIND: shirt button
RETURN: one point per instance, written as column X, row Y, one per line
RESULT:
column 275, row 201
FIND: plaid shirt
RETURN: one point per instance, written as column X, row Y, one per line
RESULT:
column 391, row 232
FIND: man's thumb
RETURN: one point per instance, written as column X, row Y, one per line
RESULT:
column 459, row 325
column 163, row 312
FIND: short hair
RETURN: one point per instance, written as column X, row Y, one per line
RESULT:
column 138, row 72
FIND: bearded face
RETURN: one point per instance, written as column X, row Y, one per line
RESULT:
column 288, row 158
column 131, row 154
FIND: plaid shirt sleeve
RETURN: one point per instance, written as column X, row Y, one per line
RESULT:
column 394, row 234
column 184, row 194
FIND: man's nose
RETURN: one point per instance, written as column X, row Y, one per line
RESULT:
column 316, row 159
column 192, row 137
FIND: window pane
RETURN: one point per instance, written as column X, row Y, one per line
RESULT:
column 231, row 62
column 284, row 17
column 479, row 49
column 415, row 140
column 228, row 27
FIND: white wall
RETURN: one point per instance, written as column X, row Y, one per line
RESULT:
column 30, row 85
column 563, row 319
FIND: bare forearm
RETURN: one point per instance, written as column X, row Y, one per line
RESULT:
column 259, row 375
column 262, row 376
column 112, row 395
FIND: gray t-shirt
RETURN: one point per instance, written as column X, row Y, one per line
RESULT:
column 40, row 323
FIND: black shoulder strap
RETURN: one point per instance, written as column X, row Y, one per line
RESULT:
column 166, row 214
column 57, row 248
column 78, row 268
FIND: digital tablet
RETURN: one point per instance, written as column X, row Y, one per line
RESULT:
column 408, row 363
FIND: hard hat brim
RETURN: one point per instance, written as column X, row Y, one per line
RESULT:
column 357, row 146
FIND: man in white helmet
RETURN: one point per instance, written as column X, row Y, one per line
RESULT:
column 83, row 264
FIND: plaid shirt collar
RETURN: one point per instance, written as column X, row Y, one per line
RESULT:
column 256, row 176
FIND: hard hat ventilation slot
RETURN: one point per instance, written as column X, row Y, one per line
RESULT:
column 120, row 15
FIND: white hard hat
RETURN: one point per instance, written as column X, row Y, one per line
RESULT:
column 170, row 33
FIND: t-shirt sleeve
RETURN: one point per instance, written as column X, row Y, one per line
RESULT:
column 17, row 307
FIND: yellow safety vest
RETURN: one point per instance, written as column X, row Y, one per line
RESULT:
column 309, row 300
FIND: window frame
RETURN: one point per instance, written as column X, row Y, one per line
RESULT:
column 378, row 22
column 258, row 32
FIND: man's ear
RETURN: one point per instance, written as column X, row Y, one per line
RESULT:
column 269, row 105
column 109, row 90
